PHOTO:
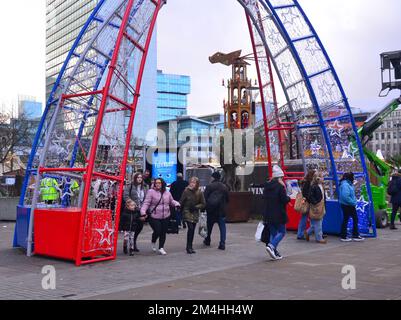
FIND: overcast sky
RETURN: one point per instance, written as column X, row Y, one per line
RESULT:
column 354, row 32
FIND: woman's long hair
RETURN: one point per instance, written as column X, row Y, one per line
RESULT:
column 310, row 176
column 135, row 180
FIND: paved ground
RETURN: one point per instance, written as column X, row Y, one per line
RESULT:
column 243, row 271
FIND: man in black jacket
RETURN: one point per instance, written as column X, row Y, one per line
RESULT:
column 275, row 214
column 395, row 197
column 177, row 189
column 216, row 197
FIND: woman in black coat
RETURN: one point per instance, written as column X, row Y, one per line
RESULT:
column 131, row 221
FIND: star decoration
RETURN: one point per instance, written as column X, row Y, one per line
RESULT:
column 349, row 152
column 326, row 89
column 315, row 148
column 274, row 37
column 336, row 129
column 66, row 185
column 285, row 72
column 361, row 205
column 57, row 145
column 312, row 47
column 106, row 234
column 289, row 17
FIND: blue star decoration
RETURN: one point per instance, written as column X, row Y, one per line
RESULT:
column 315, row 148
column 336, row 129
column 361, row 205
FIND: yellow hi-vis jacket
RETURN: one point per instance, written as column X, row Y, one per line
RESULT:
column 48, row 189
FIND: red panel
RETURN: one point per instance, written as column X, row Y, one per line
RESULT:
column 293, row 217
column 57, row 230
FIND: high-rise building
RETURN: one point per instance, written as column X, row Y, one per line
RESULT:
column 172, row 95
column 65, row 19
column 29, row 108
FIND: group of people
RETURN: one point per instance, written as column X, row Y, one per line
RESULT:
column 153, row 203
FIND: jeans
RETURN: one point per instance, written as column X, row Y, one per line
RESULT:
column 277, row 233
column 316, row 227
column 302, row 226
column 221, row 221
column 349, row 212
column 396, row 207
column 159, row 228
column 190, row 234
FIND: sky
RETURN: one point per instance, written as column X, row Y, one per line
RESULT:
column 354, row 33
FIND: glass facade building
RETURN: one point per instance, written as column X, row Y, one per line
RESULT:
column 64, row 21
column 172, row 95
column 31, row 110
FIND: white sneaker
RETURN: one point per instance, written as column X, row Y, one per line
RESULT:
column 358, row 239
column 154, row 247
column 346, row 239
column 271, row 251
column 162, row 252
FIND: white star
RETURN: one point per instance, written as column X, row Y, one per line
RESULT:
column 326, row 89
column 349, row 152
column 336, row 129
column 312, row 47
column 315, row 147
column 109, row 233
column 361, row 205
column 275, row 37
column 63, row 184
column 285, row 71
column 289, row 17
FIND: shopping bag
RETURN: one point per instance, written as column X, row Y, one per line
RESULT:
column 203, row 225
column 259, row 231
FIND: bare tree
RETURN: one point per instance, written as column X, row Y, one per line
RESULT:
column 16, row 135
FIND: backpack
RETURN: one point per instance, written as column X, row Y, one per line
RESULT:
column 392, row 188
column 214, row 201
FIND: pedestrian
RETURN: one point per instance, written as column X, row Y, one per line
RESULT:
column 394, row 189
column 275, row 213
column 348, row 205
column 305, row 190
column 317, row 209
column 147, row 178
column 192, row 202
column 216, row 197
column 177, row 188
column 157, row 207
column 131, row 220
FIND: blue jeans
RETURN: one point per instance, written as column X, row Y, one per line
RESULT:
column 302, row 226
column 221, row 221
column 277, row 233
column 316, row 227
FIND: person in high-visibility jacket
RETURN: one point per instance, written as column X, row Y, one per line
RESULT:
column 48, row 190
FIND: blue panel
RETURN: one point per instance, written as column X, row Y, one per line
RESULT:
column 21, row 228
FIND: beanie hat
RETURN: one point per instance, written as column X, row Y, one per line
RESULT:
column 216, row 175
column 278, row 172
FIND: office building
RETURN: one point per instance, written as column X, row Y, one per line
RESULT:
column 65, row 19
column 172, row 95
column 29, row 108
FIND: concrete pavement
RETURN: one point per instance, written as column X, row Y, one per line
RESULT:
column 243, row 271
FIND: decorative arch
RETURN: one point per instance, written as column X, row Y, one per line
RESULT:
column 100, row 83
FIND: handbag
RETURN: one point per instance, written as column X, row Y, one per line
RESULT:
column 259, row 231
column 203, row 225
column 317, row 211
column 301, row 204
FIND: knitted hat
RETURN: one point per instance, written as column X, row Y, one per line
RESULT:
column 278, row 172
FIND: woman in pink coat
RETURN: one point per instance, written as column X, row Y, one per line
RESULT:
column 157, row 204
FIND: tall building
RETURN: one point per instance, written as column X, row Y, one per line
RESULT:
column 29, row 108
column 65, row 19
column 387, row 138
column 172, row 95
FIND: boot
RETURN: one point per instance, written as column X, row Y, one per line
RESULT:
column 125, row 247
column 131, row 252
column 393, row 227
column 189, row 251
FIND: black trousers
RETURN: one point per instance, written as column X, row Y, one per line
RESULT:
column 396, row 207
column 190, row 234
column 349, row 212
column 159, row 228
column 138, row 229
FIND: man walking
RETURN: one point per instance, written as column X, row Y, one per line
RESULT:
column 177, row 189
column 216, row 197
column 394, row 189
